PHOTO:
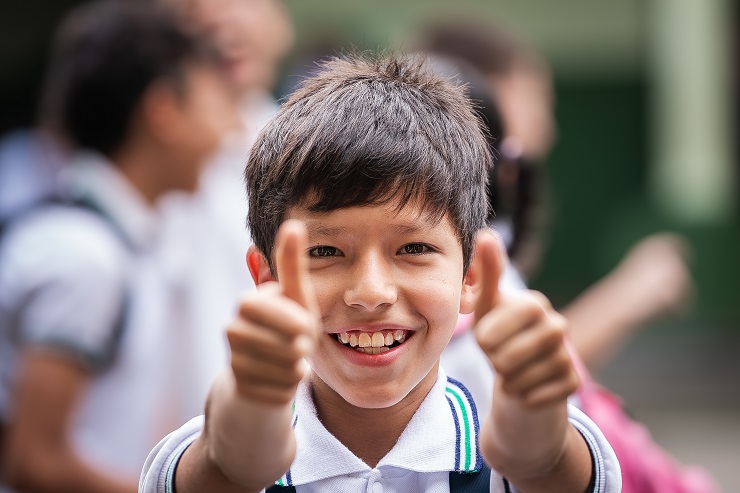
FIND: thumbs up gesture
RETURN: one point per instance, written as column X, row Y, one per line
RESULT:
column 521, row 334
column 277, row 326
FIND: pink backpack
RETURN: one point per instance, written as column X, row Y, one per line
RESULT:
column 646, row 468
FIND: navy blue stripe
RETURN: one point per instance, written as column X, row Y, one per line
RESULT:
column 288, row 475
column 476, row 424
column 457, row 433
column 507, row 487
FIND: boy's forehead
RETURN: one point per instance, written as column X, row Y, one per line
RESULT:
column 393, row 216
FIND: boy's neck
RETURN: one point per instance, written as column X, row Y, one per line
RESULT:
column 368, row 433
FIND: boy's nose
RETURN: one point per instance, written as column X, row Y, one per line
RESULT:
column 372, row 284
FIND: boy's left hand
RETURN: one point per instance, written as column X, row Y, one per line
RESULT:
column 527, row 436
column 522, row 335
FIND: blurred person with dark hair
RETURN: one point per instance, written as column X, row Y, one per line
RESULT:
column 604, row 317
column 90, row 349
column 518, row 111
column 206, row 231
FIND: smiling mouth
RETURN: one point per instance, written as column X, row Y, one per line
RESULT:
column 373, row 342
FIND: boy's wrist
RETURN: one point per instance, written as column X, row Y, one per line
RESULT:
column 519, row 441
column 244, row 438
column 571, row 470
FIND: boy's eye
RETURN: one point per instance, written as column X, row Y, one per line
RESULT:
column 323, row 251
column 415, row 249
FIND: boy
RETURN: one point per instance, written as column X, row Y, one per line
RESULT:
column 89, row 349
column 366, row 193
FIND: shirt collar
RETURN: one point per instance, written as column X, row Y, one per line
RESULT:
column 91, row 177
column 441, row 436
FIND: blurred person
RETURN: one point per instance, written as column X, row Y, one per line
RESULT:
column 646, row 467
column 206, row 231
column 30, row 161
column 605, row 317
column 86, row 313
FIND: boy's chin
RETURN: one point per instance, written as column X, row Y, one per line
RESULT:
column 380, row 395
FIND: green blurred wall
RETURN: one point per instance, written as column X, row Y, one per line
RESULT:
column 600, row 200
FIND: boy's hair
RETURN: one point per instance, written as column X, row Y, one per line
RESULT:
column 369, row 131
column 105, row 55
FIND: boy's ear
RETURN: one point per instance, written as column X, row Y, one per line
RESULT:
column 258, row 266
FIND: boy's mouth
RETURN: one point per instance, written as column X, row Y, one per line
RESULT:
column 373, row 342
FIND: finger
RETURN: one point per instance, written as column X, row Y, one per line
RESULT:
column 488, row 261
column 292, row 265
column 284, row 317
column 250, row 371
column 530, row 346
column 553, row 392
column 516, row 313
column 556, row 366
column 247, row 339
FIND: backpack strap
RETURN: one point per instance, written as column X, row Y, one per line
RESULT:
column 474, row 482
column 280, row 489
column 83, row 203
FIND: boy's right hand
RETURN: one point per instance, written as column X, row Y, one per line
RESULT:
column 277, row 325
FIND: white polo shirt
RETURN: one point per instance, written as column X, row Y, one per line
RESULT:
column 441, row 437
column 66, row 276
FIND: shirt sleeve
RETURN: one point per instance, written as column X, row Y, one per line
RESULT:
column 67, row 277
column 607, row 473
column 158, row 475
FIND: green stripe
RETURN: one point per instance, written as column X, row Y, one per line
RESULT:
column 466, row 422
column 279, row 482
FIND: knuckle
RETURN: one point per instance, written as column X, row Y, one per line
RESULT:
column 574, row 382
column 553, row 335
column 530, row 307
column 484, row 336
column 542, row 300
column 563, row 361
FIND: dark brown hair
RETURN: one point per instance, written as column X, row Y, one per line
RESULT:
column 105, row 56
column 369, row 131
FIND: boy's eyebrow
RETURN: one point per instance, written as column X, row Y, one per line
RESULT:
column 322, row 230
column 334, row 231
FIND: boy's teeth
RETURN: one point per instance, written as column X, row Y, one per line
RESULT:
column 365, row 340
column 373, row 350
column 378, row 339
column 372, row 340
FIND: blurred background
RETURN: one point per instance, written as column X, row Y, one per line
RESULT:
column 647, row 107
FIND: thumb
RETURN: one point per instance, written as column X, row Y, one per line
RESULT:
column 488, row 264
column 291, row 264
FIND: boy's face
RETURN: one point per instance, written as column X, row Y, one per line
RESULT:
column 391, row 281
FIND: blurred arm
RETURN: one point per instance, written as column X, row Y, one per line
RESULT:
column 652, row 280
column 39, row 456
